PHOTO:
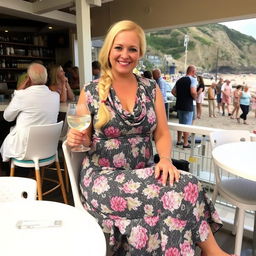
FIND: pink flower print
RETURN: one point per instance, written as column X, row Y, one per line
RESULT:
column 147, row 153
column 164, row 241
column 104, row 162
column 120, row 178
column 151, row 116
column 186, row 249
column 119, row 160
column 151, row 221
column 204, row 230
column 175, row 223
column 95, row 203
column 100, row 185
column 112, row 132
column 112, row 144
column 89, row 97
column 118, row 203
column 131, row 187
column 107, row 226
column 151, row 191
column 122, row 224
column 138, row 237
column 153, row 242
column 199, row 210
column 171, row 200
column 148, row 209
column 145, row 173
column 87, row 181
column 172, row 252
column 140, row 165
column 191, row 193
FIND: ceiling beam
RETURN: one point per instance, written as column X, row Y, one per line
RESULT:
column 23, row 9
column 40, row 7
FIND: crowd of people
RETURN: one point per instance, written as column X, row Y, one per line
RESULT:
column 147, row 208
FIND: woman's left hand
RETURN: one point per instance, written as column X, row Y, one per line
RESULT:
column 166, row 169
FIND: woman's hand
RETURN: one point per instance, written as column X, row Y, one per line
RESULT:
column 165, row 169
column 76, row 138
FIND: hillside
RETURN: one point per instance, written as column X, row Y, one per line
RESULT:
column 236, row 52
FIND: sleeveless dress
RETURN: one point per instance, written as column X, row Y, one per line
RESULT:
column 119, row 189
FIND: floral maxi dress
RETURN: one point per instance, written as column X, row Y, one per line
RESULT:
column 118, row 185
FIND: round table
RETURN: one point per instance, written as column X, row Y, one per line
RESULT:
column 48, row 228
column 238, row 158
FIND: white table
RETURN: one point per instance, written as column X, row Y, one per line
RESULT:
column 238, row 158
column 64, row 230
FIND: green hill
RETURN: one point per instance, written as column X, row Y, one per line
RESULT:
column 208, row 44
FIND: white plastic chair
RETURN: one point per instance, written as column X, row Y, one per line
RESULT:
column 17, row 188
column 239, row 192
column 42, row 150
column 74, row 162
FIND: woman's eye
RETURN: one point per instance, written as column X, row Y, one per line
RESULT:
column 119, row 48
column 133, row 49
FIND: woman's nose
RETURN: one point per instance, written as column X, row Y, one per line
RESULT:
column 124, row 53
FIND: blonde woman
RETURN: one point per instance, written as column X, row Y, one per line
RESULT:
column 147, row 209
column 59, row 83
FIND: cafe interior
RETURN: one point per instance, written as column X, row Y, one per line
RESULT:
column 56, row 32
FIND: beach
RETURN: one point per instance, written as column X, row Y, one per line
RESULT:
column 223, row 122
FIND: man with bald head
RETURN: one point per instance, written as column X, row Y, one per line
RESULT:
column 185, row 92
column 32, row 104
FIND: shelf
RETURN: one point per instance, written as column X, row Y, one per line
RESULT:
column 14, row 69
column 23, row 44
column 27, row 57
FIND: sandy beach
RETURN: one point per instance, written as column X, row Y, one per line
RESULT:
column 223, row 122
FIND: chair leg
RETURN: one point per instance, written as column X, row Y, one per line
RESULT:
column 214, row 194
column 61, row 182
column 12, row 170
column 254, row 236
column 235, row 222
column 239, row 232
column 66, row 176
column 39, row 184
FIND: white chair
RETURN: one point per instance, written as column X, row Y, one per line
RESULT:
column 41, row 151
column 74, row 163
column 239, row 192
column 17, row 188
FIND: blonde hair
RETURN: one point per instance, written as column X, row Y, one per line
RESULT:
column 106, row 74
column 54, row 74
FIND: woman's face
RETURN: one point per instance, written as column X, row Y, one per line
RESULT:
column 125, row 53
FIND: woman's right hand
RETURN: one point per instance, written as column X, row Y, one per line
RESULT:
column 76, row 138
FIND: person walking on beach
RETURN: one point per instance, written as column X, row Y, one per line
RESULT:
column 163, row 87
column 211, row 100
column 236, row 102
column 226, row 97
column 200, row 96
column 244, row 104
column 185, row 92
column 218, row 93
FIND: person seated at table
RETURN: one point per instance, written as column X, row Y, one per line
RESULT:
column 147, row 209
column 59, row 83
column 95, row 70
column 32, row 104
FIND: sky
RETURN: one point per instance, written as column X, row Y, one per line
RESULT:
column 244, row 26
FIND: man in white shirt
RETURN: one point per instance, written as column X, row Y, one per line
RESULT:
column 32, row 104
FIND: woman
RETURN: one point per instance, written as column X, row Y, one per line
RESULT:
column 147, row 209
column 244, row 104
column 59, row 83
column 236, row 102
column 200, row 96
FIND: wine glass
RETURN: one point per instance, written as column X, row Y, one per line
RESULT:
column 79, row 118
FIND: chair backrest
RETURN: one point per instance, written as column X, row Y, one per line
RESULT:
column 74, row 162
column 43, row 141
column 17, row 188
column 220, row 137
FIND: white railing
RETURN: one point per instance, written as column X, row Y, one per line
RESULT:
column 200, row 156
